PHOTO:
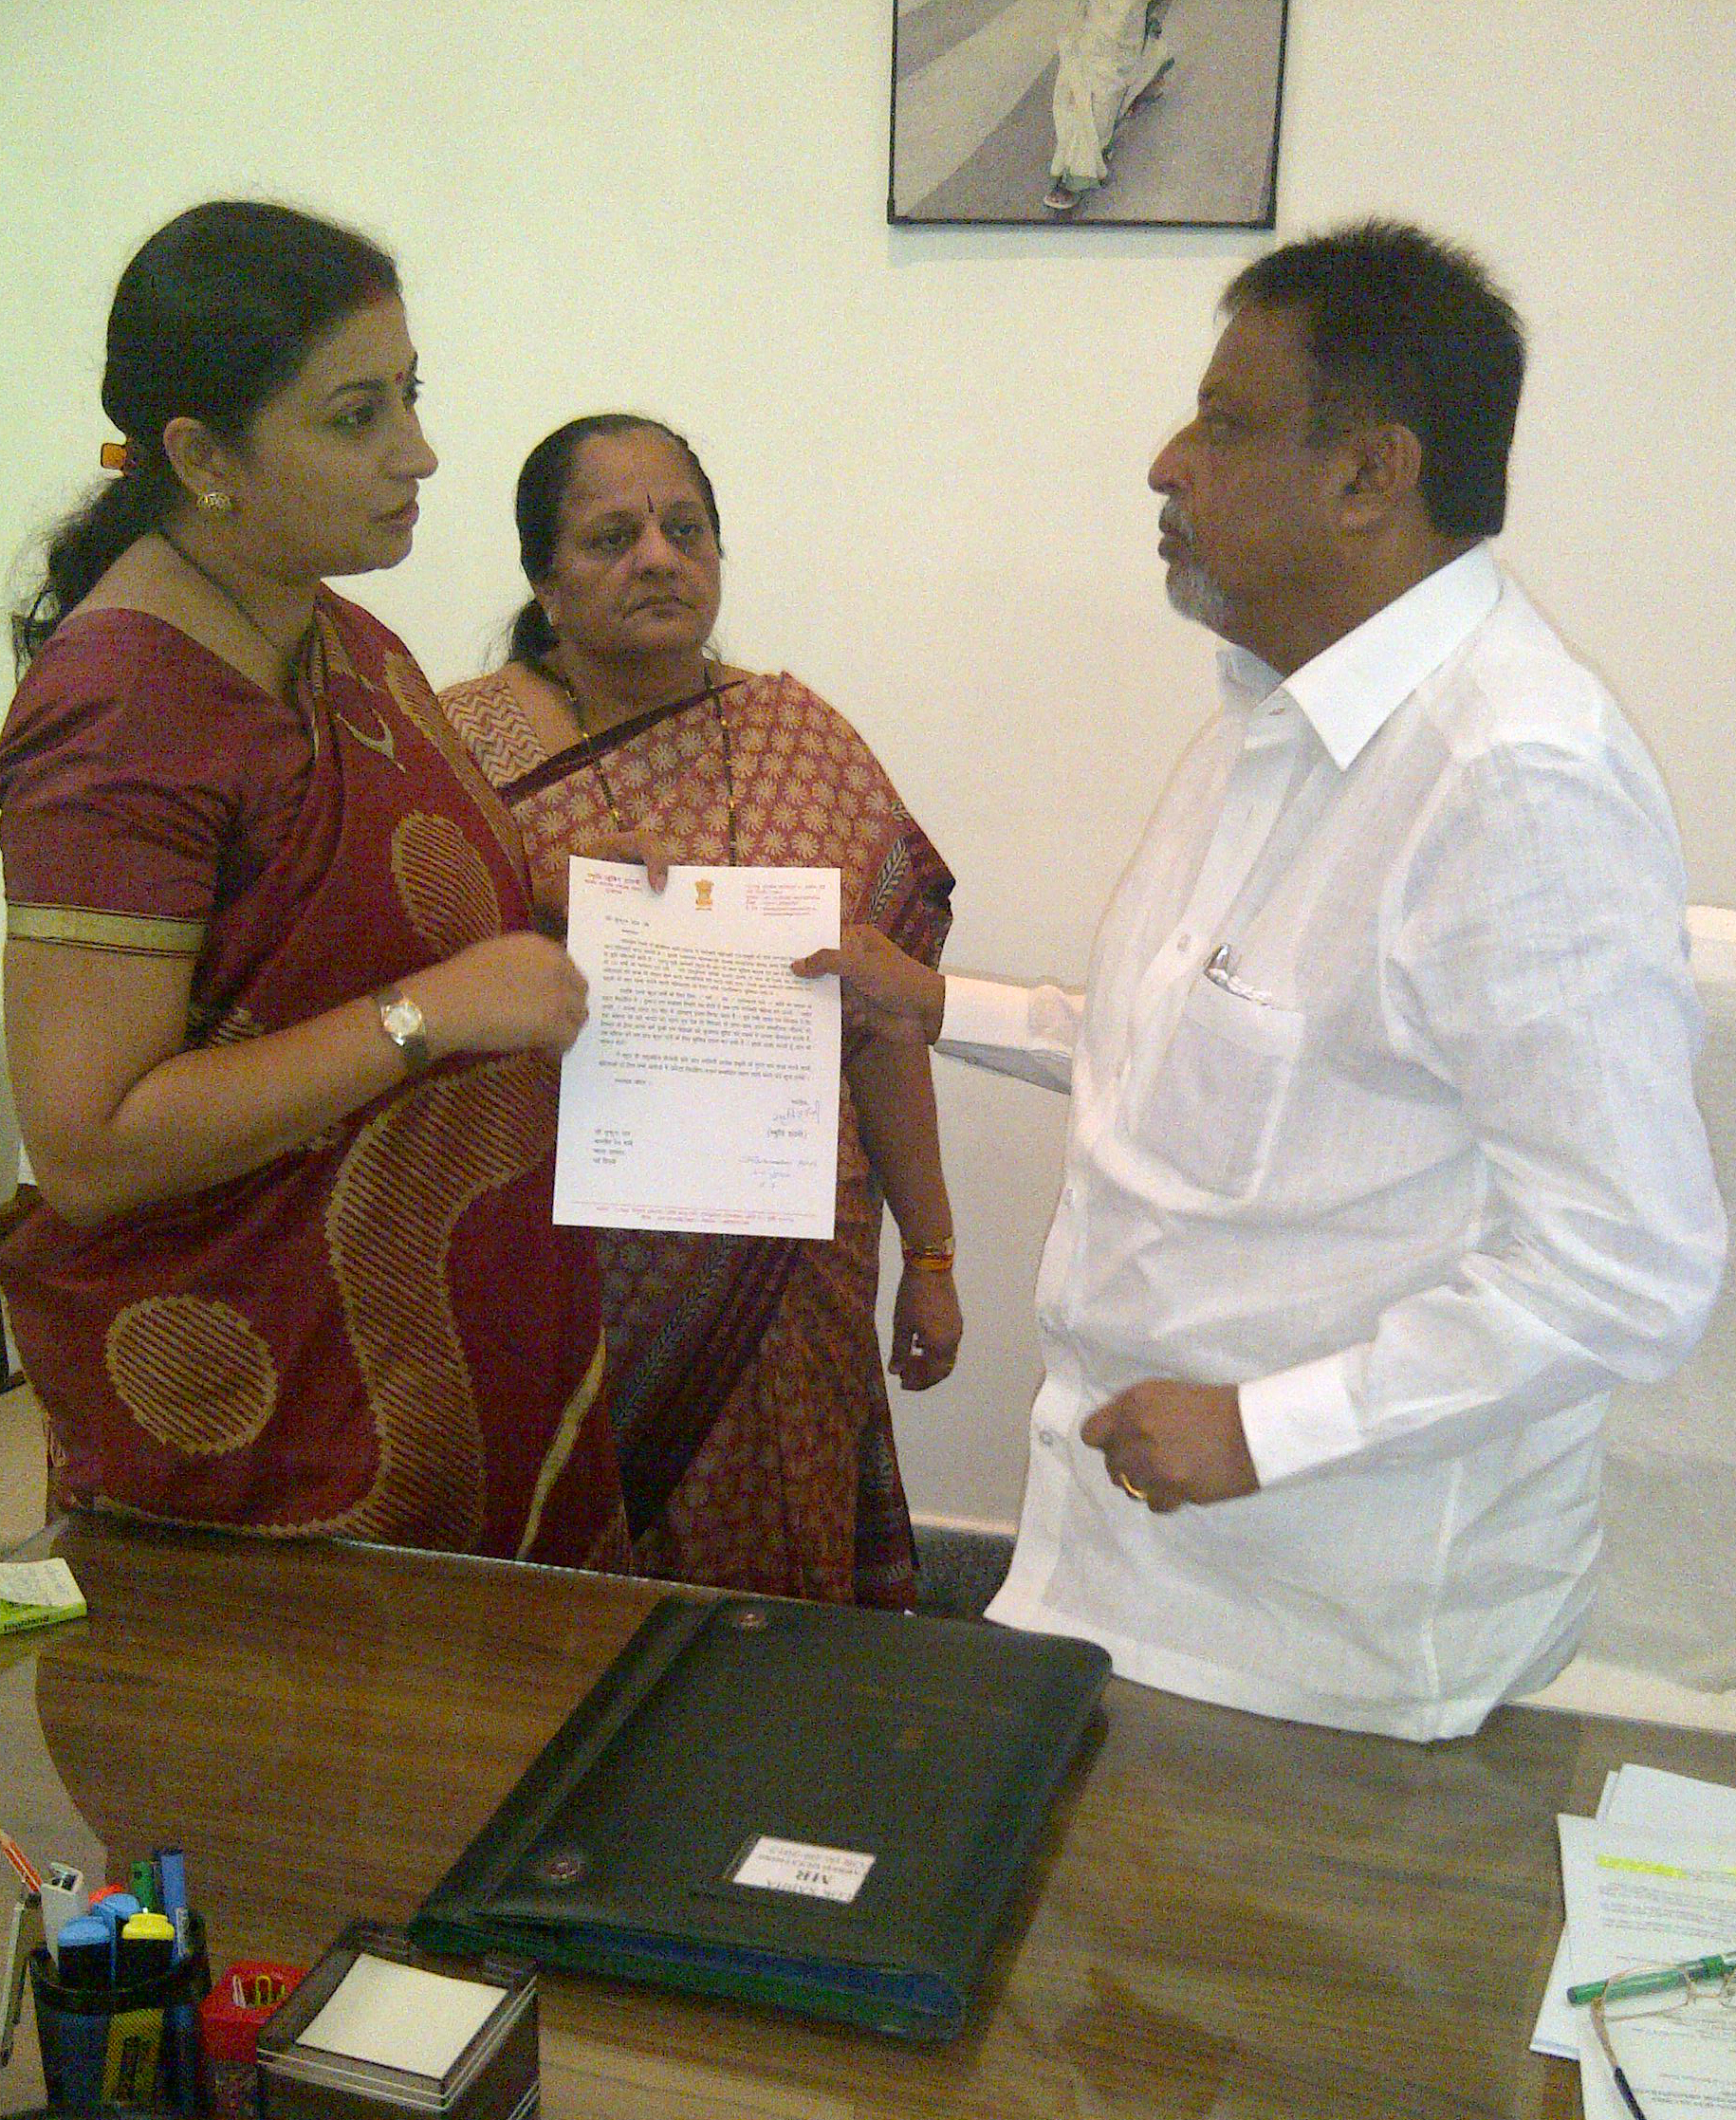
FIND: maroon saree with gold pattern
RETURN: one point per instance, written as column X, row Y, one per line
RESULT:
column 745, row 1379
column 381, row 1333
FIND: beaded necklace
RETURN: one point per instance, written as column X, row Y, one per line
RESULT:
column 593, row 739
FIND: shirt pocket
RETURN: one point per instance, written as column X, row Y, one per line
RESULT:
column 1211, row 1105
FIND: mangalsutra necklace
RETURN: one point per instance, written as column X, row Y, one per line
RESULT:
column 235, row 604
column 713, row 694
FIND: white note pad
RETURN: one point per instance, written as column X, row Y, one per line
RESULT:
column 399, row 2016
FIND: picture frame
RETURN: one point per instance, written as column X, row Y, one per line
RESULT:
column 1087, row 113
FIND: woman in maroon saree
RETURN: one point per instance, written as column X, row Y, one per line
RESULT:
column 282, row 1037
column 745, row 1382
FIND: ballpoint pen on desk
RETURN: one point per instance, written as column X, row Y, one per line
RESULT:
column 1654, row 1980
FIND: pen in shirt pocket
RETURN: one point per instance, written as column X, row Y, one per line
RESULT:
column 1220, row 967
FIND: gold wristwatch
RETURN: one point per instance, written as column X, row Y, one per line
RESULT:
column 404, row 1025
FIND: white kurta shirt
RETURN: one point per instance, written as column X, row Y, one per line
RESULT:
column 1382, row 1112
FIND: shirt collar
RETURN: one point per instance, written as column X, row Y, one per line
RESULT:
column 1348, row 691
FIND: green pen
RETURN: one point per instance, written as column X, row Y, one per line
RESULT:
column 1653, row 1980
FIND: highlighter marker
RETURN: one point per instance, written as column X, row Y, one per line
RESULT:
column 84, row 1952
column 94, row 1904
column 145, row 1887
column 146, row 1948
column 73, row 2056
column 75, row 2043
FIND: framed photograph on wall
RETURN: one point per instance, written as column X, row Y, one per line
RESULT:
column 1067, row 113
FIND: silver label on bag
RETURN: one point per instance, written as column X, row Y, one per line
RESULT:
column 775, row 1865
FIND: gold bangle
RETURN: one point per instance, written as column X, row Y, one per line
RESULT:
column 932, row 1259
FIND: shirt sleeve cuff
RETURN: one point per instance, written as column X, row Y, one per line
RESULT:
column 1299, row 1419
column 986, row 1012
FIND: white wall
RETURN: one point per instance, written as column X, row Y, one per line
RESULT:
column 928, row 445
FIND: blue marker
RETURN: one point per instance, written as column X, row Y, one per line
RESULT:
column 85, row 1953
column 114, row 1909
column 75, row 2043
column 182, row 2024
column 172, row 1871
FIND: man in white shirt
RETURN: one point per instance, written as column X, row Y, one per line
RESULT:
column 1383, row 1162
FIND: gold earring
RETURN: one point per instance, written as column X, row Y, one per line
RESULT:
column 215, row 503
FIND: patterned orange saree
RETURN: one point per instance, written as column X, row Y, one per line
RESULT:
column 381, row 1333
column 746, row 1378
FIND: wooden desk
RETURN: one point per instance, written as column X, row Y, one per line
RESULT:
column 1230, row 1917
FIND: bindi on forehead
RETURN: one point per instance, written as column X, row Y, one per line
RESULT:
column 631, row 488
column 374, row 385
column 632, row 511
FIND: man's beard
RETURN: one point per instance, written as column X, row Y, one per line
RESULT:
column 1195, row 595
column 1191, row 589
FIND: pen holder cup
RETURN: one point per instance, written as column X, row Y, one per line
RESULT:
column 134, row 2045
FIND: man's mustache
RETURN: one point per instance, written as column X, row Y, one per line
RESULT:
column 1173, row 523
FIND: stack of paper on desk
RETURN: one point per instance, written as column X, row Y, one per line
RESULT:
column 1651, row 1880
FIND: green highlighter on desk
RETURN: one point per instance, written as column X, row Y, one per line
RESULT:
column 816, row 1806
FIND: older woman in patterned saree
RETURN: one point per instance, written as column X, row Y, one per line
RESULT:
column 281, row 1033
column 745, row 1372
